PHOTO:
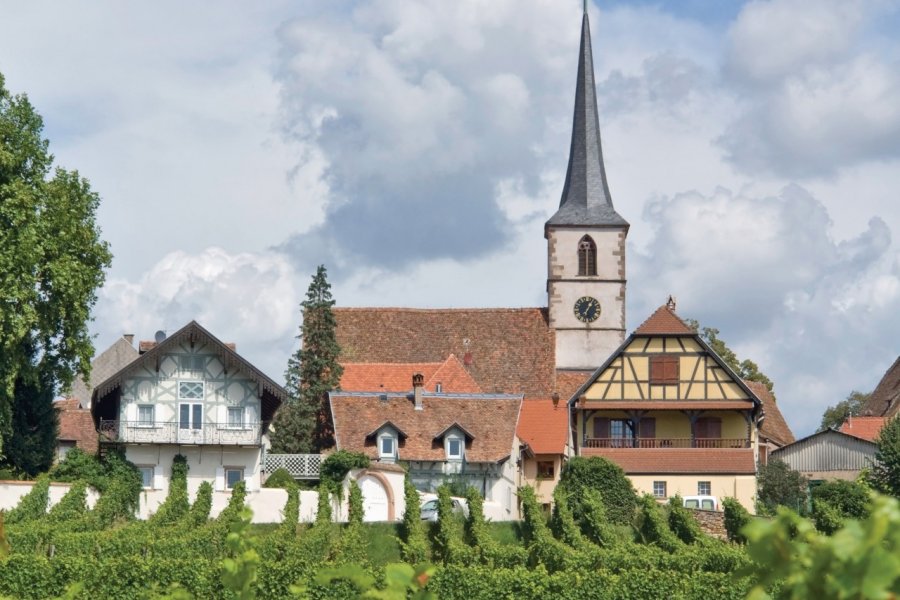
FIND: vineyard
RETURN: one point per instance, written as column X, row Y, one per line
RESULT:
column 583, row 550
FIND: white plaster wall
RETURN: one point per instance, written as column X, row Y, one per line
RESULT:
column 586, row 349
column 204, row 463
column 11, row 493
column 563, row 252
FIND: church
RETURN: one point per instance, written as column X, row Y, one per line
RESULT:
column 678, row 420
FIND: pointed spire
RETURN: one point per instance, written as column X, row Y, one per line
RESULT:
column 585, row 198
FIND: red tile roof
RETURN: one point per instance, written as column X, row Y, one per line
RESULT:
column 679, row 460
column 774, row 427
column 667, row 404
column 397, row 377
column 544, row 427
column 76, row 425
column 505, row 350
column 491, row 421
column 662, row 322
column 866, row 428
column 885, row 398
column 568, row 382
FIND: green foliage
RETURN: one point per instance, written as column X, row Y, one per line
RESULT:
column 543, row 548
column 835, row 501
column 291, row 513
column 101, row 475
column 239, row 569
column 232, row 513
column 4, row 542
column 280, row 478
column 78, row 465
column 33, row 505
column 199, row 512
column 401, row 581
column 323, row 512
column 834, row 416
column 72, row 506
column 352, row 548
column 594, row 523
column 336, row 466
column 355, row 504
column 580, row 474
column 477, row 534
column 304, row 423
column 413, row 542
column 779, row 485
column 682, row 522
column 736, row 518
column 563, row 522
column 745, row 369
column 652, row 526
column 885, row 474
column 448, row 544
column 51, row 256
column 176, row 504
column 861, row 560
column 30, row 445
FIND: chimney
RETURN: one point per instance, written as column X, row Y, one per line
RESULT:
column 418, row 388
column 129, row 337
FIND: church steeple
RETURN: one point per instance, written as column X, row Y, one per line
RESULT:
column 585, row 199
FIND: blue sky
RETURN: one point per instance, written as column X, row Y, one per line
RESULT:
column 417, row 148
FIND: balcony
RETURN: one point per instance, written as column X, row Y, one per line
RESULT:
column 216, row 434
column 666, row 443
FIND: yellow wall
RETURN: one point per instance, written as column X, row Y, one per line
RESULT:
column 543, row 488
column 741, row 487
column 672, row 424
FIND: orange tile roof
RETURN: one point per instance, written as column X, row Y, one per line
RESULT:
column 774, row 427
column 568, row 382
column 866, row 428
column 667, row 404
column 491, row 421
column 397, row 377
column 76, row 425
column 679, row 460
column 505, row 350
column 544, row 427
column 664, row 321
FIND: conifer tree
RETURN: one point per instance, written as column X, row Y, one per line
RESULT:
column 304, row 423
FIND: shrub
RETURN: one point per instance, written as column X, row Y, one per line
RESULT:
column 779, row 485
column 280, row 478
column 652, row 527
column 827, row 517
column 336, row 466
column 594, row 523
column 115, row 504
column 850, row 498
column 355, row 512
column 413, row 542
column 448, row 544
column 232, row 513
column 543, row 548
column 682, row 522
column 291, row 516
column 885, row 474
column 176, row 504
column 563, row 523
column 323, row 512
column 736, row 518
column 580, row 474
column 72, row 506
column 199, row 512
column 352, row 547
column 33, row 505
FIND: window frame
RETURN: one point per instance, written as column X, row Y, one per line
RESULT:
column 152, row 470
column 242, row 424
column 587, row 257
column 142, row 422
column 543, row 472
column 384, row 437
column 455, row 438
column 182, row 397
column 707, row 485
column 660, row 486
column 226, row 471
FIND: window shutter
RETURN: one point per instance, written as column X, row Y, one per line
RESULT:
column 670, row 367
column 601, row 427
column 648, row 428
column 220, row 479
column 249, row 481
column 715, row 427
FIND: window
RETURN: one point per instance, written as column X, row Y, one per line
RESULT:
column 193, row 363
column 587, row 256
column 146, row 415
column 232, row 476
column 613, row 433
column 454, row 448
column 63, row 449
column 386, row 446
column 545, row 469
column 146, row 477
column 663, row 369
column 704, row 488
column 190, row 390
column 190, row 416
column 439, row 387
column 659, row 489
column 235, row 417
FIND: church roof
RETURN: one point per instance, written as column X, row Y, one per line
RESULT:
column 397, row 377
column 586, row 200
column 664, row 321
column 504, row 350
column 885, row 398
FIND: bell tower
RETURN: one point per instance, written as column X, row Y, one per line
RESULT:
column 586, row 240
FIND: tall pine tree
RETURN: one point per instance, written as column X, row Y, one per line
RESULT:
column 304, row 423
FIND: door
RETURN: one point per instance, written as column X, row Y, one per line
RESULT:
column 375, row 499
column 190, row 423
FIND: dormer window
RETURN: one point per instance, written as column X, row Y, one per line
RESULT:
column 455, row 447
column 587, row 257
column 387, row 445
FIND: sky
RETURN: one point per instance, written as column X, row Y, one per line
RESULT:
column 416, row 149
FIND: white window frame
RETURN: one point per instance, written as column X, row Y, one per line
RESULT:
column 242, row 423
column 228, row 470
column 382, row 437
column 193, row 361
column 660, row 489
column 192, row 424
column 191, row 398
column 152, row 471
column 704, row 484
column 143, row 423
column 455, row 437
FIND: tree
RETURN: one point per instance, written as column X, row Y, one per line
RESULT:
column 835, row 415
column 885, row 473
column 304, row 423
column 745, row 369
column 581, row 474
column 779, row 485
column 52, row 259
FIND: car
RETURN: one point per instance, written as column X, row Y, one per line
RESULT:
column 701, row 502
column 428, row 511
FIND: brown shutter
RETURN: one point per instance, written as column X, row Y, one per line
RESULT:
column 701, row 429
column 663, row 369
column 648, row 428
column 601, row 427
column 715, row 427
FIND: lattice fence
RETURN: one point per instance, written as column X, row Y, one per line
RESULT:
column 300, row 466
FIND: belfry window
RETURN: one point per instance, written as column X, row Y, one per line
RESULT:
column 587, row 256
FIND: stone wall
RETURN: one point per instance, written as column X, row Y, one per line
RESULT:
column 712, row 522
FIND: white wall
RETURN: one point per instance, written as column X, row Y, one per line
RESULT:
column 205, row 463
column 11, row 493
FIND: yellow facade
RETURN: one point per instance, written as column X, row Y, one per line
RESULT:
column 543, row 486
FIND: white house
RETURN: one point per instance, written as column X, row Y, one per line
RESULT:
column 188, row 394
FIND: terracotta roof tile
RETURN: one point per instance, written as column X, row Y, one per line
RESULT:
column 667, row 404
column 543, row 426
column 774, row 427
column 679, row 460
column 397, row 377
column 505, row 350
column 491, row 420
column 568, row 382
column 662, row 322
column 866, row 428
column 76, row 425
column 885, row 399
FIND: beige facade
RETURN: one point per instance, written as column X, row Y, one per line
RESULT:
column 741, row 487
column 536, row 476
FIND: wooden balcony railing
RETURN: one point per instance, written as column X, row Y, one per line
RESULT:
column 666, row 443
column 218, row 434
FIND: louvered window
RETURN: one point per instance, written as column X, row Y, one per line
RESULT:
column 663, row 369
column 587, row 257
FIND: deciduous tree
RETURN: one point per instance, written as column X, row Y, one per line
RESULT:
column 745, row 369
column 52, row 259
column 837, row 414
column 885, row 473
column 779, row 485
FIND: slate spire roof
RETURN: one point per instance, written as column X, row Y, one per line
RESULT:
column 585, row 198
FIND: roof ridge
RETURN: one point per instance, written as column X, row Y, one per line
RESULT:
column 661, row 319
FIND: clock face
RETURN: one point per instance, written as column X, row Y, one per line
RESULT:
column 587, row 309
